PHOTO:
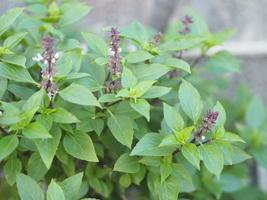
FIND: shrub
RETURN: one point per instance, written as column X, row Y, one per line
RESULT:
column 115, row 117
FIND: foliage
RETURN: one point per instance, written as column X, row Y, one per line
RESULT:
column 126, row 113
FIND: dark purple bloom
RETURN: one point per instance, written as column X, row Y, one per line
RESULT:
column 112, row 86
column 187, row 21
column 207, row 123
column 156, row 39
column 114, row 57
column 49, row 59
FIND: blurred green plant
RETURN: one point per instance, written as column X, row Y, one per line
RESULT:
column 106, row 118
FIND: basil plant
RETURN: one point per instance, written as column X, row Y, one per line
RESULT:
column 121, row 114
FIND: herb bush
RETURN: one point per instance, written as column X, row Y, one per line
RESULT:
column 127, row 115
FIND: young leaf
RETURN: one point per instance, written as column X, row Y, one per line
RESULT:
column 35, row 130
column 54, row 192
column 141, row 106
column 8, row 144
column 172, row 118
column 28, row 189
column 122, row 129
column 140, row 89
column 11, row 169
column 80, row 146
column 190, row 101
column 149, row 146
column 71, row 186
column 212, row 158
column 127, row 164
column 47, row 147
column 79, row 94
column 63, row 116
column 190, row 152
column 138, row 56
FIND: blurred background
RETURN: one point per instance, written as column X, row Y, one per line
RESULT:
column 248, row 18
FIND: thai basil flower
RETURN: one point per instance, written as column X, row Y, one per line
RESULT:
column 48, row 58
column 156, row 39
column 186, row 21
column 114, row 57
column 207, row 123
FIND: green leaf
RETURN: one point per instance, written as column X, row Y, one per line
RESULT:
column 28, row 189
column 71, row 186
column 80, row 146
column 191, row 154
column 140, row 89
column 231, row 137
column 14, row 59
column 63, row 116
column 11, row 169
column 14, row 40
column 178, row 64
column 155, row 92
column 190, row 101
column 35, row 101
column 144, row 72
column 136, row 32
column 256, row 113
column 79, row 94
column 36, row 168
column 239, row 155
column 122, row 129
column 73, row 13
column 181, row 44
column 169, row 140
column 97, row 44
column 165, row 171
column 127, row 78
column 35, row 130
column 212, row 158
column 8, row 144
column 222, row 61
column 169, row 189
column 172, row 118
column 127, row 164
column 15, row 73
column 138, row 56
column 47, row 147
column 54, row 192
column 221, row 119
column 149, row 146
column 9, row 18
column 141, row 106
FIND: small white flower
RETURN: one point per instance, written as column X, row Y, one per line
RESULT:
column 203, row 137
column 38, row 58
column 111, row 52
column 56, row 56
column 119, row 50
column 53, row 60
column 45, row 62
